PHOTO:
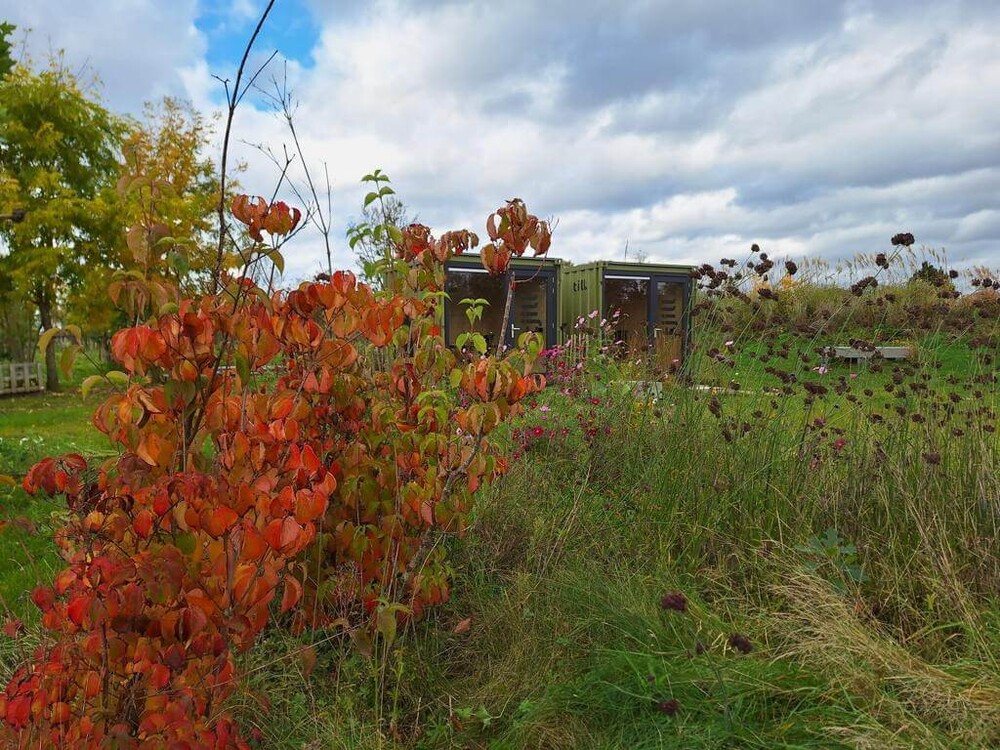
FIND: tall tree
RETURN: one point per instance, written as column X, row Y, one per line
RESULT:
column 59, row 152
column 164, row 215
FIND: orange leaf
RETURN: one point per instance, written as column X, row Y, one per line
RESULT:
column 463, row 626
column 292, row 594
column 217, row 521
column 149, row 448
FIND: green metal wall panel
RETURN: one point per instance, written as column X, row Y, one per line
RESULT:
column 666, row 309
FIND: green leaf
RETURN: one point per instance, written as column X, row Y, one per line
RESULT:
column 117, row 377
column 386, row 191
column 183, row 389
column 279, row 261
column 243, row 368
column 455, row 378
column 185, row 542
column 168, row 308
column 88, row 384
column 179, row 263
column 395, row 234
column 479, row 342
column 370, row 198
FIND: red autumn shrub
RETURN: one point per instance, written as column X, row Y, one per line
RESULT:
column 254, row 426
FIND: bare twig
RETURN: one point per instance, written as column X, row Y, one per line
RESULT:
column 233, row 99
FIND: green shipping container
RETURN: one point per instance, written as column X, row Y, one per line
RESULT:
column 536, row 306
column 652, row 301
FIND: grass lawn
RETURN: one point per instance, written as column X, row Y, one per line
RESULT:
column 32, row 427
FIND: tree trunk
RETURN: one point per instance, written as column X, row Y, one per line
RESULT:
column 51, row 373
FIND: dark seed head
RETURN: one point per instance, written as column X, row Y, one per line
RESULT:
column 668, row 707
column 741, row 643
column 674, row 600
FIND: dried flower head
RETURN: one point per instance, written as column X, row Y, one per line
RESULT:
column 739, row 642
column 669, row 707
column 674, row 600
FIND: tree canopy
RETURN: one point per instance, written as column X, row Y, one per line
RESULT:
column 59, row 151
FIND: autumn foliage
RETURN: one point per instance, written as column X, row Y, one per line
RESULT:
column 292, row 456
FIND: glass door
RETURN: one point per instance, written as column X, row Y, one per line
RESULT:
column 531, row 309
column 626, row 307
column 667, row 322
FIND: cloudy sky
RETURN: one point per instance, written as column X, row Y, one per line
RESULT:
column 685, row 128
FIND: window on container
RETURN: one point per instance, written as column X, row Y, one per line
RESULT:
column 474, row 284
column 529, row 311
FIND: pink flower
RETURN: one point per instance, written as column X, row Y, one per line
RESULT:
column 821, row 369
column 544, row 408
column 729, row 343
column 592, row 314
column 853, row 375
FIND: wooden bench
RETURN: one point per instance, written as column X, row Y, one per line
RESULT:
column 21, row 377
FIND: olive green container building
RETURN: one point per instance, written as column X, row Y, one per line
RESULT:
column 652, row 301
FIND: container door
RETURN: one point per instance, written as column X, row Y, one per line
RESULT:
column 667, row 321
column 533, row 308
column 627, row 308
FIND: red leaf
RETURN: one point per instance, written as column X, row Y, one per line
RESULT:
column 142, row 524
column 77, row 608
column 13, row 628
column 310, row 460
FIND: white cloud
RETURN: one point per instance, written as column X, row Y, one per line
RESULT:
column 688, row 129
column 136, row 47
